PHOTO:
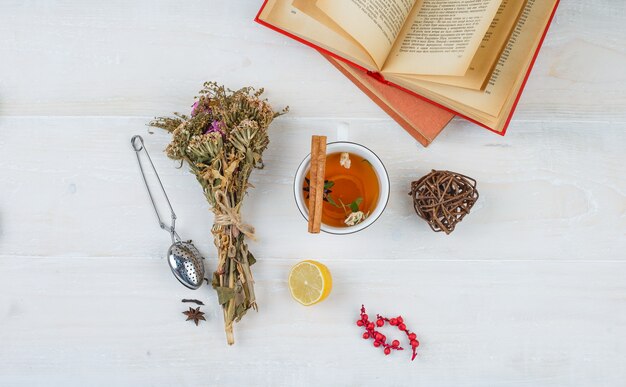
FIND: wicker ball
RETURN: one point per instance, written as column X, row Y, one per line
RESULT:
column 443, row 198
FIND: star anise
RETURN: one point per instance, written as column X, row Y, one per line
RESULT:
column 195, row 315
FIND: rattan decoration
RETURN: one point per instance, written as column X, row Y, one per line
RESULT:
column 443, row 198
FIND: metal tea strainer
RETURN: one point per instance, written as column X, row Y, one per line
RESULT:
column 183, row 257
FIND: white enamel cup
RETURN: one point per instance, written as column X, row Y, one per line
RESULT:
column 356, row 149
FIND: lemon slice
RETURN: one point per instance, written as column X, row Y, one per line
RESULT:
column 310, row 282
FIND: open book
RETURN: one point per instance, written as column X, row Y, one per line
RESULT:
column 469, row 56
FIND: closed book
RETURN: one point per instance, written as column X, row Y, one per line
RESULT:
column 421, row 119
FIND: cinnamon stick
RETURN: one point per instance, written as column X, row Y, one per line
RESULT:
column 319, row 193
column 316, row 186
column 313, row 180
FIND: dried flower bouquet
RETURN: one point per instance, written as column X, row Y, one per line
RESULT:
column 223, row 141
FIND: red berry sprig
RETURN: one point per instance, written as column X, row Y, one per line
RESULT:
column 380, row 341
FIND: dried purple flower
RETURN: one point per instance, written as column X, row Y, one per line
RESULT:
column 200, row 106
column 216, row 126
column 194, row 107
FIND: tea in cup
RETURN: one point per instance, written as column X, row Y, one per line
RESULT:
column 356, row 188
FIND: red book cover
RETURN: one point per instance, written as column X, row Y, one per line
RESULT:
column 381, row 79
column 421, row 119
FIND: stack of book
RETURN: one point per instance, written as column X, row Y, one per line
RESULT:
column 424, row 61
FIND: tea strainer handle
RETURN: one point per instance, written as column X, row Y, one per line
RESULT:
column 138, row 146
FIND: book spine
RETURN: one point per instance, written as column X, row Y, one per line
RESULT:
column 378, row 76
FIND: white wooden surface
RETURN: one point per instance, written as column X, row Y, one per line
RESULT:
column 530, row 290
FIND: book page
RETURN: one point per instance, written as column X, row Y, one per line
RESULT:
column 493, row 105
column 283, row 15
column 375, row 24
column 441, row 37
column 310, row 8
column 491, row 47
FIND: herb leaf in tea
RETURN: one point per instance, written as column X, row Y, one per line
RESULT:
column 354, row 206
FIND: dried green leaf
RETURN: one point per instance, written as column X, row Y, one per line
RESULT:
column 215, row 281
column 240, row 311
column 224, row 294
column 251, row 259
